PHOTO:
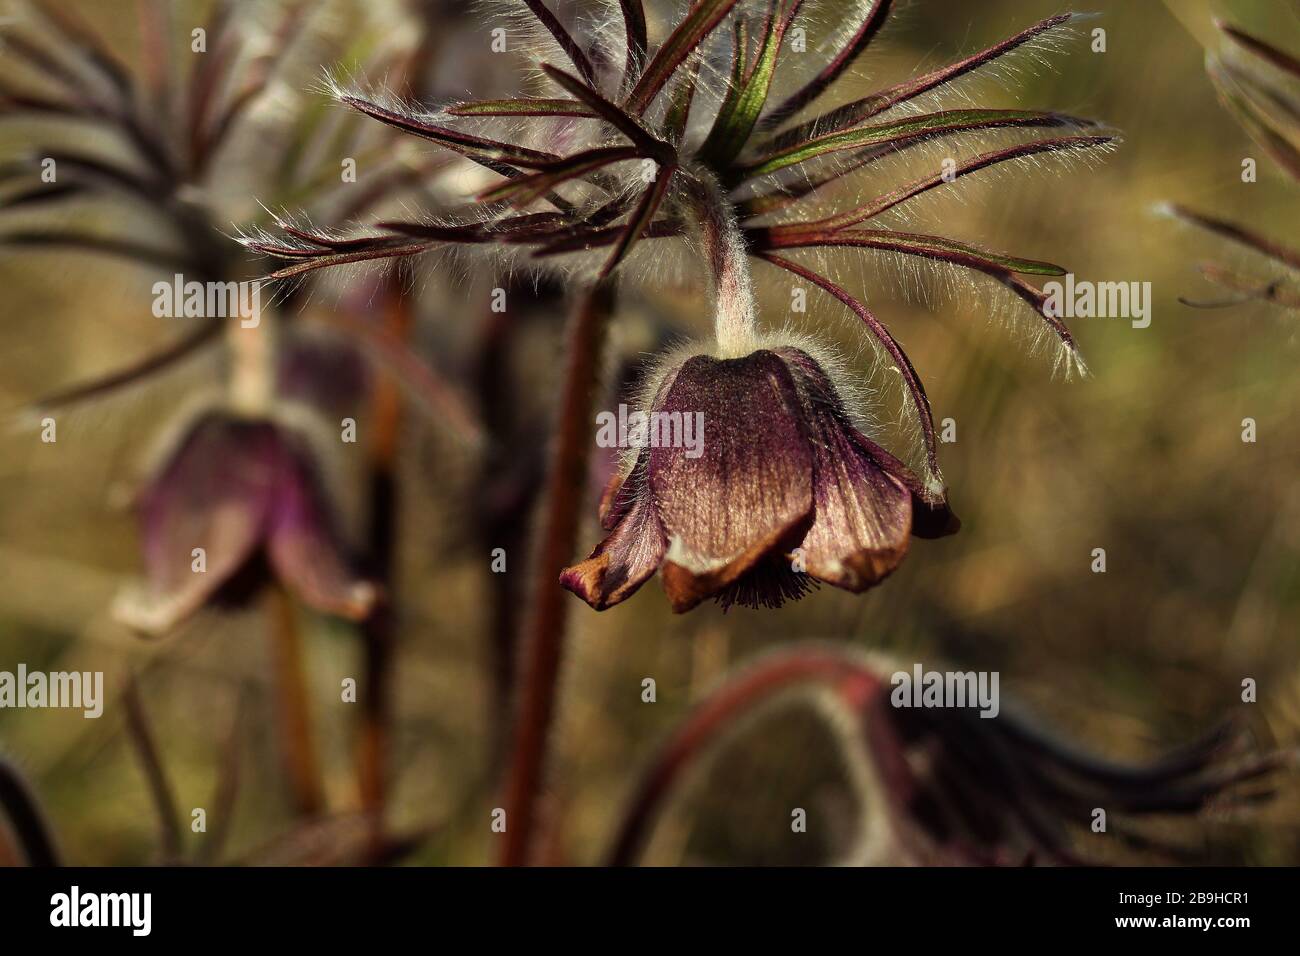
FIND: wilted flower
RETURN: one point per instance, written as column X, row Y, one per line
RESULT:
column 237, row 500
column 786, row 491
column 171, row 170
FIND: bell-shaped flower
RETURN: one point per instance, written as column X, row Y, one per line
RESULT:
column 781, row 491
column 236, row 497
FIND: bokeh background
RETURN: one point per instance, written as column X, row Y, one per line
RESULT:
column 1144, row 458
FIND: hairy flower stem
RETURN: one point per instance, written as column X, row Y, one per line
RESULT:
column 724, row 248
column 544, row 639
column 716, row 716
column 251, row 391
column 295, row 722
column 251, row 383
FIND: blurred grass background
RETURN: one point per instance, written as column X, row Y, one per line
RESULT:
column 1144, row 458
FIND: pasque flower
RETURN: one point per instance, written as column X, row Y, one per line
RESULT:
column 249, row 494
column 786, row 490
column 248, row 469
column 618, row 153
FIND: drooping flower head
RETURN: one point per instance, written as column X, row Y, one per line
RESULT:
column 609, row 150
column 784, row 491
column 239, row 497
column 162, row 125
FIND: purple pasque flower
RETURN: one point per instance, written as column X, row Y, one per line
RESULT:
column 249, row 493
column 782, row 492
column 611, row 152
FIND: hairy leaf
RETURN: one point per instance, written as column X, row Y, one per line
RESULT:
column 861, row 110
column 866, row 32
column 702, row 19
column 748, row 93
column 901, row 131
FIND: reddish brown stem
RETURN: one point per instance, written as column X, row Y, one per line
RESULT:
column 544, row 640
column 378, row 632
column 712, row 718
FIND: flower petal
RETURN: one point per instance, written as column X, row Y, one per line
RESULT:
column 930, row 518
column 303, row 545
column 863, row 516
column 748, row 490
column 619, row 494
column 214, row 493
column 623, row 561
column 862, row 513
